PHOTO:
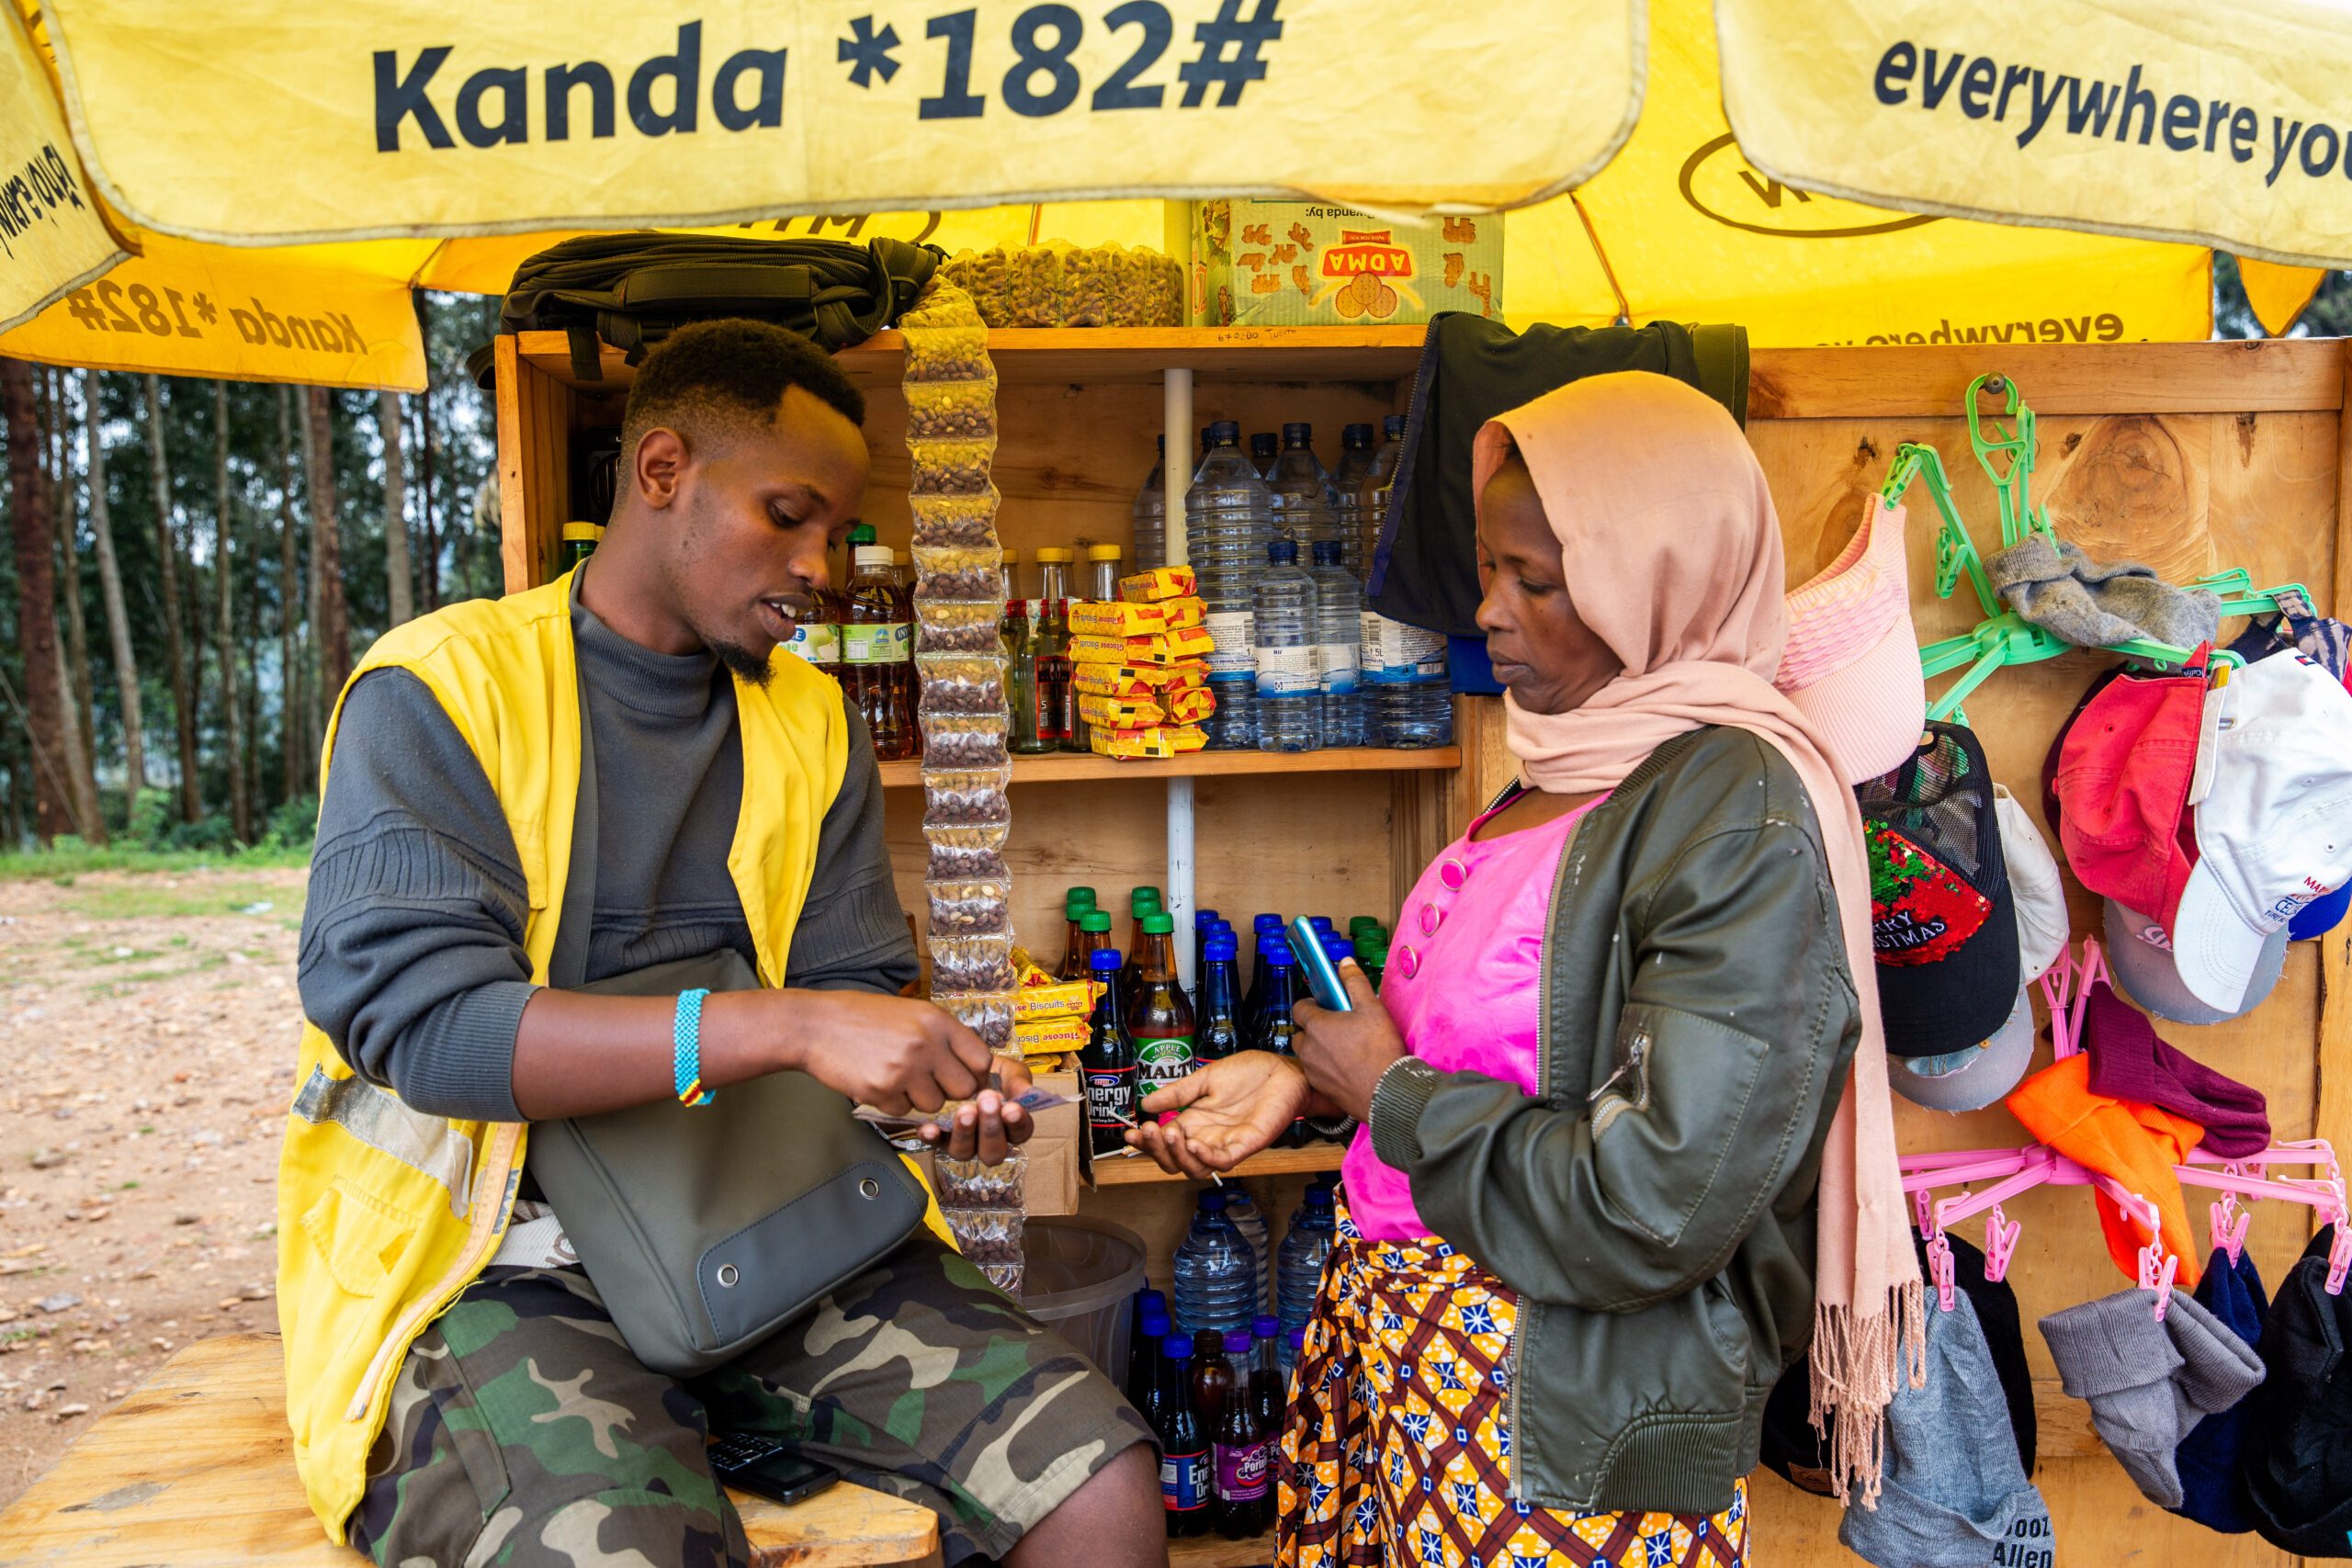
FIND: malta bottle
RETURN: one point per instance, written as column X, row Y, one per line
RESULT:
column 1107, row 1064
column 1159, row 1016
column 877, row 642
column 1185, row 1484
column 1077, row 904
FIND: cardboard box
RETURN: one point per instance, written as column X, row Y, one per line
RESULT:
column 1050, row 1185
column 1290, row 263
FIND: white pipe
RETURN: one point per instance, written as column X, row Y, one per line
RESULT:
column 1176, row 413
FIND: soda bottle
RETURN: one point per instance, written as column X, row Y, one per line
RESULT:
column 1159, row 1016
column 1184, row 1486
column 1203, row 923
column 1056, row 707
column 1240, row 1456
column 1141, row 901
column 1268, row 1387
column 1094, row 936
column 876, row 643
column 1009, row 625
column 1143, row 1347
column 1077, row 904
column 1212, row 1377
column 1273, row 1026
column 1108, row 1061
column 1217, row 1030
column 1262, row 925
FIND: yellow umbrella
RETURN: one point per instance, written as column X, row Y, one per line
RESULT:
column 1676, row 224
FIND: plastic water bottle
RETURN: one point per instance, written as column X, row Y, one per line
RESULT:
column 1216, row 1274
column 1250, row 1221
column 1263, row 448
column 1347, row 480
column 1306, row 506
column 1338, row 633
column 1408, row 702
column 1151, row 514
column 1313, row 1231
column 1228, row 518
column 1373, row 485
column 1290, row 695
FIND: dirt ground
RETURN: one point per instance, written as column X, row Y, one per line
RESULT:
column 147, row 1041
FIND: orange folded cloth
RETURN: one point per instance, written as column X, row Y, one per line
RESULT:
column 2137, row 1144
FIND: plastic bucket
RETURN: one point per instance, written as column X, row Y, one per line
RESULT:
column 1081, row 1280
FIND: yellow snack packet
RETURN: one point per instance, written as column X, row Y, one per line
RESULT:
column 1049, row 1036
column 1137, row 679
column 1098, row 618
column 1188, row 704
column 1058, row 998
column 1120, row 713
column 1160, row 583
column 1161, row 741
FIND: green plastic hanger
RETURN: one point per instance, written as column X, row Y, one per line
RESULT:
column 2004, row 637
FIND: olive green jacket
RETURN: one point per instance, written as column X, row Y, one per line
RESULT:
column 1653, row 1203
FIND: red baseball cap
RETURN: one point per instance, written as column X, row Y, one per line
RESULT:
column 2124, row 771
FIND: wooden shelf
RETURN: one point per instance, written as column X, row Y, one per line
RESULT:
column 1215, row 1551
column 1067, row 766
column 1068, row 356
column 1131, row 1171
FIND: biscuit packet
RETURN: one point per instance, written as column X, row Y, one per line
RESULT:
column 1159, row 582
column 1159, row 741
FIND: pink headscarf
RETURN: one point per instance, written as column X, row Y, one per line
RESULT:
column 1672, row 554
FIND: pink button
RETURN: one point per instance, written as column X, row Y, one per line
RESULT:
column 1453, row 874
column 1408, row 961
column 1430, row 918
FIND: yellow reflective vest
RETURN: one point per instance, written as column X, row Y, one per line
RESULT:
column 385, row 1215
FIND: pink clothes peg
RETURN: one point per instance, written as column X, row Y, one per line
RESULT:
column 1940, row 1272
column 2339, row 1256
column 2229, row 1228
column 2001, row 1234
column 2156, row 1270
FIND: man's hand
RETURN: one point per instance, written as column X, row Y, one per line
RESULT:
column 991, row 1125
column 1345, row 1053
column 1225, row 1112
column 888, row 1051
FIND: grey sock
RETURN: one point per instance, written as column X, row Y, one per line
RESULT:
column 2218, row 1369
column 2113, row 1353
column 2077, row 599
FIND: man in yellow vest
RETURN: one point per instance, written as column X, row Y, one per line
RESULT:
column 457, row 1391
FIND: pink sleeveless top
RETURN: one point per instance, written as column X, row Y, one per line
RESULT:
column 1462, row 984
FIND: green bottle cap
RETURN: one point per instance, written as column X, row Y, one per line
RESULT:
column 1157, row 924
column 860, row 534
column 1094, row 920
column 1362, row 923
column 1077, row 901
column 1143, row 900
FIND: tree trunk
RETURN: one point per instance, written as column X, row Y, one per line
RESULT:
column 64, row 508
column 293, row 764
column 167, row 553
column 126, row 660
column 396, row 563
column 44, row 698
column 225, row 534
column 333, row 626
column 74, row 649
column 424, row 446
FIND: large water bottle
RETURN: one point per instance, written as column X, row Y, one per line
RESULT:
column 1228, row 517
column 1313, row 1231
column 1338, row 633
column 1408, row 699
column 1151, row 514
column 1347, row 482
column 1373, row 485
column 1216, row 1273
column 1250, row 1221
column 1306, row 506
column 1290, row 694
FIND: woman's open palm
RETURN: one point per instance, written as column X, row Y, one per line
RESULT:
column 1226, row 1112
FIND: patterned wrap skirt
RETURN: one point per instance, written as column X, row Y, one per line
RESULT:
column 1397, row 1447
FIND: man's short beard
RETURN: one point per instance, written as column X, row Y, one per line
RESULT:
column 754, row 668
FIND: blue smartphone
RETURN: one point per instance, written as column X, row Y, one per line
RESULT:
column 1322, row 974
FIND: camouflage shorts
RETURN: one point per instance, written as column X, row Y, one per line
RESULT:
column 523, row 1432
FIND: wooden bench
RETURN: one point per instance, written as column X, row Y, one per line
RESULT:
column 195, row 1468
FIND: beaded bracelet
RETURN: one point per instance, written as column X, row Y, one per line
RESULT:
column 686, row 1039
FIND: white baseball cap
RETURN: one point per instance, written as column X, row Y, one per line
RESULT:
column 2274, row 826
column 2034, row 884
column 1974, row 1076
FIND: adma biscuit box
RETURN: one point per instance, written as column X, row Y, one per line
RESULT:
column 1289, row 264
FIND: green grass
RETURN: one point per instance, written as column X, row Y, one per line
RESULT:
column 76, row 859
column 144, row 897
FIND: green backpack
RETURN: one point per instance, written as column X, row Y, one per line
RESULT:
column 633, row 290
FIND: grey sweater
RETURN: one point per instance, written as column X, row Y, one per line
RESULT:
column 412, row 957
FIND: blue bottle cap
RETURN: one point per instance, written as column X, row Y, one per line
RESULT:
column 1338, row 947
column 1177, row 1347
column 1320, row 922
column 1276, row 950
column 1266, row 1325
column 1224, row 431
column 1105, row 960
column 1318, row 1197
column 1212, row 1200
column 1297, row 434
column 1220, row 948
column 1204, row 920
column 1266, row 923
column 1355, row 436
column 1283, row 552
column 1155, row 1322
column 1147, row 1297
column 1299, row 1339
column 1236, row 1342
column 1393, row 426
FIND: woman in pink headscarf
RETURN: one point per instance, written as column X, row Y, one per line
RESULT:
column 1626, row 1149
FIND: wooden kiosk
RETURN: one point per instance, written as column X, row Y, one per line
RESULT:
column 2193, row 457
